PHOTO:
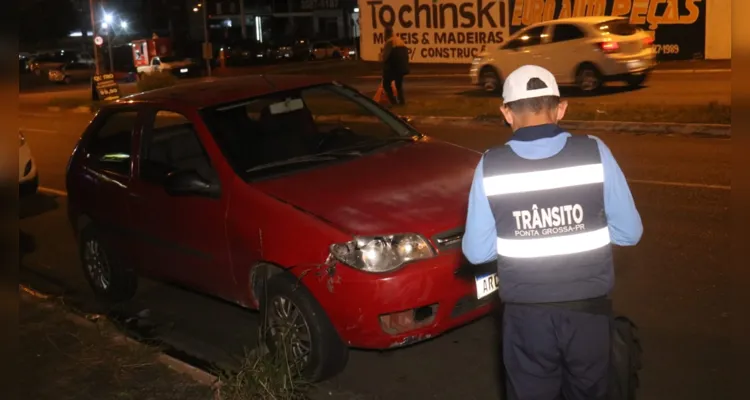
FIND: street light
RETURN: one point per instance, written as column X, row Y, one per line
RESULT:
column 124, row 24
column 105, row 25
column 108, row 18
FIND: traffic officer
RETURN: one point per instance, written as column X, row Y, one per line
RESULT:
column 546, row 206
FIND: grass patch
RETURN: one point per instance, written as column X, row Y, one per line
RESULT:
column 62, row 360
column 156, row 80
column 264, row 376
column 460, row 106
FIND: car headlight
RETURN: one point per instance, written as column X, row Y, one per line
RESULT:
column 21, row 139
column 382, row 253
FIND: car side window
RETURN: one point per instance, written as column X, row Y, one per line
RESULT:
column 565, row 32
column 530, row 37
column 171, row 144
column 110, row 147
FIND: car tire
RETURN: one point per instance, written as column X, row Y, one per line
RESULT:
column 490, row 80
column 635, row 81
column 67, row 80
column 328, row 354
column 110, row 280
column 588, row 79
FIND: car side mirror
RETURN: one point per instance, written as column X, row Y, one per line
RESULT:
column 190, row 183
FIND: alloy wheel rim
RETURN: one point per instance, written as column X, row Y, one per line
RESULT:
column 288, row 327
column 589, row 81
column 97, row 265
column 490, row 82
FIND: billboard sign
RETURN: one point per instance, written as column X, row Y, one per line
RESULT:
column 455, row 31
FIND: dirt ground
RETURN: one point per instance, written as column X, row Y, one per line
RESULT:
column 63, row 360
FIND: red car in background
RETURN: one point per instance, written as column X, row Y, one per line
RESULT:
column 294, row 195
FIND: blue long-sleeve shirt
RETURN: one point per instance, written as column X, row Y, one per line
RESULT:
column 480, row 238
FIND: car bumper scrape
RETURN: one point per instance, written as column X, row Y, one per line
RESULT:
column 415, row 303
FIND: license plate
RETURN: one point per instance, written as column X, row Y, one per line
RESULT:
column 486, row 285
column 635, row 64
column 184, row 70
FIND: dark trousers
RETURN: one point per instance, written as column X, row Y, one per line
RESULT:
column 552, row 353
column 388, row 79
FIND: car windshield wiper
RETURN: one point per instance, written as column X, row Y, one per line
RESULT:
column 312, row 158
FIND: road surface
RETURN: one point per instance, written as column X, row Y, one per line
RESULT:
column 673, row 284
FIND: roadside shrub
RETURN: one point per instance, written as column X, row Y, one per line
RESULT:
column 263, row 376
column 156, row 80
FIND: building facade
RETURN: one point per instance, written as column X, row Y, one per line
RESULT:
column 274, row 19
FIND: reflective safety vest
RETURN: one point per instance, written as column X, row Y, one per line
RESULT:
column 553, row 241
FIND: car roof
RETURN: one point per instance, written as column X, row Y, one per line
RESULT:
column 209, row 92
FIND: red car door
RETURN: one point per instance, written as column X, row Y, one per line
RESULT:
column 182, row 236
column 103, row 178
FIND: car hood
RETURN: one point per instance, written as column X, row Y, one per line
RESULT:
column 420, row 187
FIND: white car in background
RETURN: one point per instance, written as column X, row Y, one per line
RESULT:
column 28, row 178
column 585, row 52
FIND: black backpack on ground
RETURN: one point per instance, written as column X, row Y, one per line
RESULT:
column 625, row 359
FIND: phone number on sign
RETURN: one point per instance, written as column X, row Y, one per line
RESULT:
column 667, row 48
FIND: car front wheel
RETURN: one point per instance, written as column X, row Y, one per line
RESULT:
column 489, row 80
column 107, row 276
column 296, row 325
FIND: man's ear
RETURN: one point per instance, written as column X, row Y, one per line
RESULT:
column 507, row 114
column 561, row 109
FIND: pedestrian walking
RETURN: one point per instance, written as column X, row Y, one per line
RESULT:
column 395, row 66
column 547, row 205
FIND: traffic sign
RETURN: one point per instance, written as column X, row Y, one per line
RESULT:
column 98, row 40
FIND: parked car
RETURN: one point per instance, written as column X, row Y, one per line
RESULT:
column 28, row 177
column 585, row 51
column 296, row 196
column 324, row 50
column 43, row 63
column 71, row 72
column 179, row 66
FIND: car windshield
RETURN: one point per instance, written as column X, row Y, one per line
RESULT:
column 303, row 128
column 619, row 27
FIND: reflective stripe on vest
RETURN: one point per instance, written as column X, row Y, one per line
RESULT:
column 559, row 178
column 544, row 180
column 553, row 246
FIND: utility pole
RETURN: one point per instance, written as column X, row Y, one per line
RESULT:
column 243, row 23
column 109, row 50
column 93, row 35
column 208, row 52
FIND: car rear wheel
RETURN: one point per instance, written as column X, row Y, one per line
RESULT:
column 635, row 81
column 68, row 80
column 490, row 80
column 107, row 276
column 588, row 79
column 296, row 326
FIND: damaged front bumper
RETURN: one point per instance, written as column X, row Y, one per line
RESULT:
column 413, row 304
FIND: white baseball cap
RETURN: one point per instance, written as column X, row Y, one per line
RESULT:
column 516, row 85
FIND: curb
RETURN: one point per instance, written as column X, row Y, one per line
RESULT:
column 664, row 128
column 175, row 364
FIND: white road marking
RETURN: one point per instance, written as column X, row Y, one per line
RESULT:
column 51, row 191
column 681, row 184
column 63, row 193
column 37, row 130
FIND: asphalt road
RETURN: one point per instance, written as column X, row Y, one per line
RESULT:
column 663, row 87
column 674, row 284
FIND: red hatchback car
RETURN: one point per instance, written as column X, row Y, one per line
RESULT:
column 293, row 195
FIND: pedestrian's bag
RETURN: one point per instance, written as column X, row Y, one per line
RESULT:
column 381, row 97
